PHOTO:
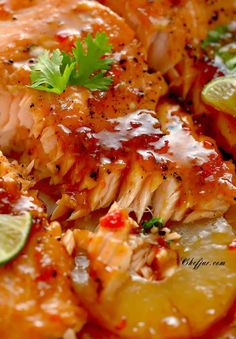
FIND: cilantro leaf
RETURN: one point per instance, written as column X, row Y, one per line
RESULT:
column 90, row 61
column 49, row 75
column 215, row 35
column 85, row 66
column 97, row 82
column 154, row 222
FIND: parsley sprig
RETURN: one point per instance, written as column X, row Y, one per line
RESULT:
column 86, row 66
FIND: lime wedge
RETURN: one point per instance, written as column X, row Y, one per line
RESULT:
column 221, row 94
column 14, row 231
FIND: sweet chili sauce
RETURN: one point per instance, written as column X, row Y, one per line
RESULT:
column 113, row 220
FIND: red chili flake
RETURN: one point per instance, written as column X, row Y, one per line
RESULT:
column 232, row 246
column 113, row 219
column 93, row 274
column 38, row 255
column 207, row 169
column 62, row 38
column 122, row 324
column 46, row 274
column 208, row 144
column 55, row 317
column 162, row 242
column 66, row 41
column 116, row 72
column 164, row 149
column 135, row 124
column 156, row 249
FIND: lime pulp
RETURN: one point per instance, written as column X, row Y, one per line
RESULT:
column 14, row 231
column 221, row 94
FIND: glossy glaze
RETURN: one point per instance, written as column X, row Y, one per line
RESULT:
column 219, row 125
column 36, row 299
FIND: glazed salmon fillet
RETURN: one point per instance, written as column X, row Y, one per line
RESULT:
column 218, row 122
column 7, row 7
column 35, row 290
column 172, row 32
column 99, row 147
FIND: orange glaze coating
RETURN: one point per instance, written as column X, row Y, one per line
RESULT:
column 168, row 144
column 14, row 196
column 217, row 124
column 14, row 201
column 164, row 141
column 8, row 6
column 35, row 291
column 77, row 109
column 36, row 297
column 91, row 331
column 188, row 21
column 75, row 18
column 172, row 32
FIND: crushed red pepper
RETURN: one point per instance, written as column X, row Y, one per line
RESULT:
column 232, row 245
column 113, row 220
column 121, row 325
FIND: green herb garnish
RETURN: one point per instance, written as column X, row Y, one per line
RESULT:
column 215, row 35
column 218, row 41
column 220, row 93
column 48, row 73
column 154, row 222
column 228, row 55
column 169, row 242
column 85, row 66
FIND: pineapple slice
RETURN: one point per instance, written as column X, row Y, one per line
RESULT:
column 197, row 295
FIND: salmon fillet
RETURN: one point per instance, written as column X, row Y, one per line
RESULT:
column 172, row 32
column 8, row 7
column 35, row 289
column 99, row 147
column 219, row 124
